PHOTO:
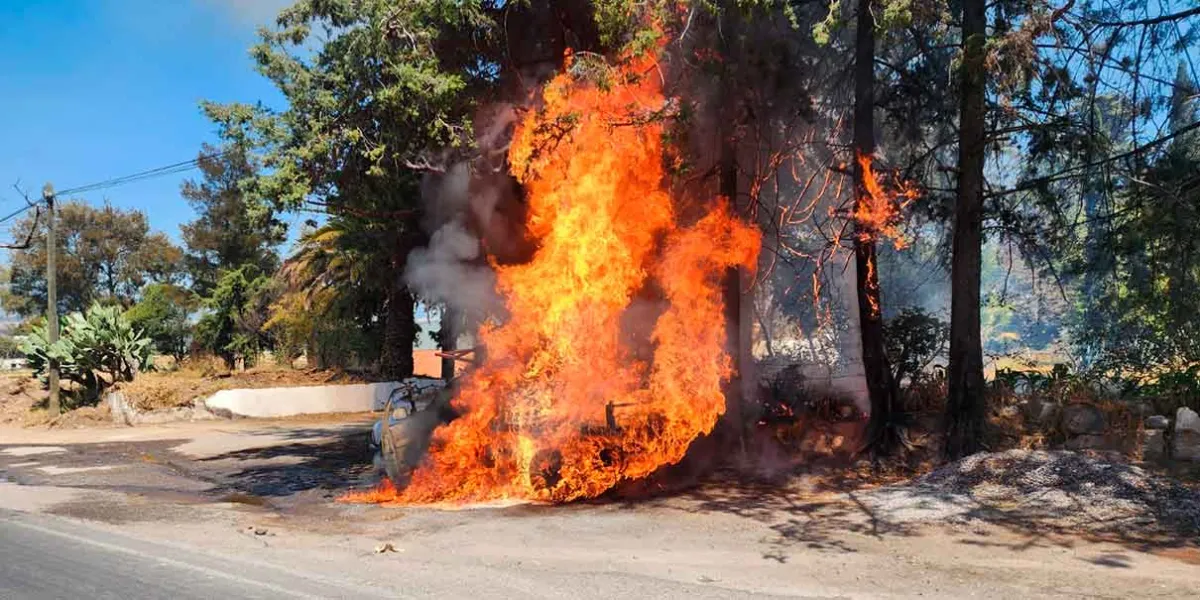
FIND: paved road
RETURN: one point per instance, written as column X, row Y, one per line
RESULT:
column 47, row 557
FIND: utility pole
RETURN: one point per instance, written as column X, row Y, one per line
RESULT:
column 51, row 295
column 448, row 338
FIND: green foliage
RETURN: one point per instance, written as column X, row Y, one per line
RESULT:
column 1166, row 390
column 162, row 314
column 9, row 347
column 230, row 229
column 1182, row 383
column 1162, row 392
column 914, row 339
column 373, row 86
column 822, row 32
column 1023, row 307
column 897, row 14
column 615, row 18
column 330, row 306
column 889, row 15
column 231, row 326
column 1032, row 381
column 104, row 254
column 1140, row 312
column 95, row 349
column 378, row 92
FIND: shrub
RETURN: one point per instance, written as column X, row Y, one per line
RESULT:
column 1166, row 390
column 232, row 327
column 162, row 314
column 913, row 339
column 95, row 350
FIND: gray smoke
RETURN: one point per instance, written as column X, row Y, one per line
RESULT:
column 467, row 207
column 450, row 271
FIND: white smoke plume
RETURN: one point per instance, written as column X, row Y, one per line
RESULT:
column 450, row 271
column 472, row 204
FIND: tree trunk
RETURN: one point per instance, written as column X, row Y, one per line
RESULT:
column 728, row 188
column 732, row 291
column 880, row 385
column 315, row 358
column 400, row 327
column 965, row 406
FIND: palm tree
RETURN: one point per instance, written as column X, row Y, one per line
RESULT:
column 344, row 282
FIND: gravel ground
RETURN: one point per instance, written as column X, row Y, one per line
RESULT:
column 1040, row 489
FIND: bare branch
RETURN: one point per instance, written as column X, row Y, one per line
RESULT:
column 25, row 245
column 1150, row 20
column 1067, row 173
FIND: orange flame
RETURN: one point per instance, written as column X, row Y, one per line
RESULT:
column 578, row 392
column 879, row 212
column 383, row 493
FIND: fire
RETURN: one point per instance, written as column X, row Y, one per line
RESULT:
column 384, row 492
column 578, row 392
column 879, row 212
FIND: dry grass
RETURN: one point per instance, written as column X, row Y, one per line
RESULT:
column 20, row 397
column 23, row 403
column 23, row 399
column 1041, row 361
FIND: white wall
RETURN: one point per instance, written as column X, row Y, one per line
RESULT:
column 286, row 402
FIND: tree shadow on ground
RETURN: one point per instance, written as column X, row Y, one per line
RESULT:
column 315, row 433
column 327, row 460
column 812, row 512
column 824, row 507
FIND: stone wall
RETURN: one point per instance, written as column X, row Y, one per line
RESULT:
column 1087, row 427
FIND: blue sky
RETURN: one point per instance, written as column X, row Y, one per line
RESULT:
column 95, row 89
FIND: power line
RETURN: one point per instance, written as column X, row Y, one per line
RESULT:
column 179, row 167
column 16, row 213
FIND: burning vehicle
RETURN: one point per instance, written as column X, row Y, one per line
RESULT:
column 413, row 411
column 401, row 435
column 609, row 357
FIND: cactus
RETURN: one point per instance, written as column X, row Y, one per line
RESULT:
column 95, row 350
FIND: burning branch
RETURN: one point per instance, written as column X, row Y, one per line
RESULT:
column 880, row 212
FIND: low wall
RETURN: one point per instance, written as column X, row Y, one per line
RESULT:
column 290, row 401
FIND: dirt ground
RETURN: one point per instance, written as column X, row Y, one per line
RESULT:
column 265, row 491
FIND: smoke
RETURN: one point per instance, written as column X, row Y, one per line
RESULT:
column 450, row 271
column 473, row 211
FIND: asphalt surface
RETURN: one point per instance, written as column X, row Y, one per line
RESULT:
column 164, row 513
column 47, row 557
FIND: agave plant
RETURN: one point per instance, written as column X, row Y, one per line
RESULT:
column 95, row 350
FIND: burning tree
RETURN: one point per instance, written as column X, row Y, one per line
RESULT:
column 615, row 198
column 537, row 417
